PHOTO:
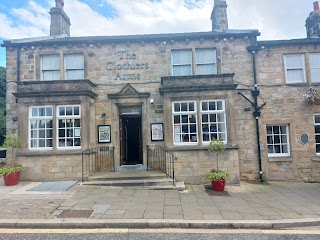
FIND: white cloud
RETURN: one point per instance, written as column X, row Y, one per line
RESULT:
column 29, row 22
column 140, row 16
column 276, row 19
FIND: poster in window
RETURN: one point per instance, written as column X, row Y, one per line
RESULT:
column 104, row 133
column 77, row 132
column 177, row 138
column 177, row 129
column 157, row 132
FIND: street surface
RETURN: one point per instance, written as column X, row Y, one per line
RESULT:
column 157, row 234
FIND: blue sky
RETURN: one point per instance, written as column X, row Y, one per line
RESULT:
column 276, row 19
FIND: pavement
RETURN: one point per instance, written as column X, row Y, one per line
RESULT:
column 276, row 205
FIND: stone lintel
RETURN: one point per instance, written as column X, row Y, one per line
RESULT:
column 56, row 94
column 131, row 95
column 197, row 88
column 55, row 88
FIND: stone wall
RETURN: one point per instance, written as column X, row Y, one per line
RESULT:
column 154, row 59
column 286, row 105
column 51, row 167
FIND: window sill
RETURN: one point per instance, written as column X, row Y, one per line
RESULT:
column 316, row 159
column 280, row 159
column 200, row 148
column 50, row 153
column 299, row 84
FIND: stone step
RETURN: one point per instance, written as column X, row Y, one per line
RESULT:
column 152, row 184
column 129, row 168
column 133, row 175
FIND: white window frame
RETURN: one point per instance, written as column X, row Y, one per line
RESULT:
column 68, row 119
column 182, row 64
column 66, row 70
column 179, row 126
column 37, row 129
column 49, row 69
column 314, row 79
column 302, row 68
column 205, row 63
column 315, row 132
column 209, row 112
column 273, row 154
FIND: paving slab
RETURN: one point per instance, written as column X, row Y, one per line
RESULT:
column 276, row 201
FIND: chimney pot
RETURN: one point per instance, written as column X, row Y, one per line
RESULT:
column 59, row 3
column 316, row 6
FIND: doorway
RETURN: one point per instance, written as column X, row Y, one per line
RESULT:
column 130, row 140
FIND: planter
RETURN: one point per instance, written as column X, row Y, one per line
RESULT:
column 11, row 178
column 218, row 185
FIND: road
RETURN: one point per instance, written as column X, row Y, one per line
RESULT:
column 158, row 234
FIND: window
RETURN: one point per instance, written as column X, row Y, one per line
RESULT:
column 295, row 68
column 206, row 61
column 213, row 120
column 69, row 126
column 181, row 62
column 315, row 66
column 184, row 122
column 40, row 127
column 278, row 141
column 74, row 67
column 50, row 67
column 317, row 132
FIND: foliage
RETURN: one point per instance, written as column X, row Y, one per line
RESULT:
column 2, row 102
column 8, row 169
column 312, row 94
column 214, row 175
column 12, row 141
column 2, row 87
column 2, row 122
column 217, row 146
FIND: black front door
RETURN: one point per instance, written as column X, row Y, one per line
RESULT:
column 131, row 140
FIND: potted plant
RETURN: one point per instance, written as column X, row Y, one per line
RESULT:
column 217, row 177
column 11, row 173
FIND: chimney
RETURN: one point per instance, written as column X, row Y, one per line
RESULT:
column 313, row 22
column 60, row 22
column 219, row 15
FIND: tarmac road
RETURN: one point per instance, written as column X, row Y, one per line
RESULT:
column 157, row 234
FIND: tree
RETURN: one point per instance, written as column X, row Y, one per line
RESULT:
column 2, row 103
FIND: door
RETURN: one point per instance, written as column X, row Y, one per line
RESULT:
column 130, row 140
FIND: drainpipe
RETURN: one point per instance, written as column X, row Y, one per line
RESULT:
column 256, row 114
column 255, row 93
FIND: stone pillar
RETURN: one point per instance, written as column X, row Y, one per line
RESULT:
column 219, row 16
column 60, row 22
column 313, row 22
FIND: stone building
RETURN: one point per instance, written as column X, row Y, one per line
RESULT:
column 67, row 95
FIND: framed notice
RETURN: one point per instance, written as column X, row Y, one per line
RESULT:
column 104, row 133
column 157, row 132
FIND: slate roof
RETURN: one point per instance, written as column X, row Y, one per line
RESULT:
column 51, row 40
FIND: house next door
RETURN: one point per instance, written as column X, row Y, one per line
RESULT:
column 130, row 140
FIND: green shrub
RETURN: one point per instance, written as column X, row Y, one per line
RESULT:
column 214, row 175
column 8, row 169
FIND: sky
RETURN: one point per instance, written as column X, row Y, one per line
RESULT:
column 275, row 19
